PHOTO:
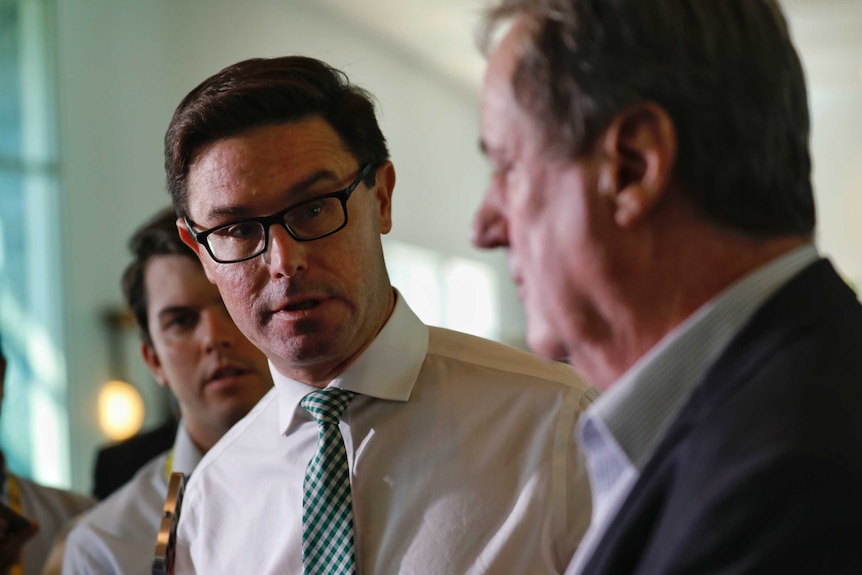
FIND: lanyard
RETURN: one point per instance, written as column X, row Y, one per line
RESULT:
column 169, row 465
column 15, row 504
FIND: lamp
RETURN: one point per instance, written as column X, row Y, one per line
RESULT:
column 121, row 410
column 120, row 404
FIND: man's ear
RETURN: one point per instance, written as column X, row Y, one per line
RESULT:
column 640, row 147
column 384, row 185
column 151, row 358
column 189, row 240
column 187, row 237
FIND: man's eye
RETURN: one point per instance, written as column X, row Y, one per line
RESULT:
column 311, row 210
column 182, row 321
column 240, row 230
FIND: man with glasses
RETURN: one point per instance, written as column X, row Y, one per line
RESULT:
column 389, row 446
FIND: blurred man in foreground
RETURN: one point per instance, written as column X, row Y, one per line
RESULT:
column 652, row 188
column 192, row 346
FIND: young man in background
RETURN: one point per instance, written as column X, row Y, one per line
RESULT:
column 192, row 346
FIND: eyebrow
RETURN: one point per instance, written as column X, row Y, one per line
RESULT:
column 242, row 211
column 483, row 147
column 174, row 310
column 491, row 152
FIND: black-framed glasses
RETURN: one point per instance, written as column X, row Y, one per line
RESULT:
column 308, row 220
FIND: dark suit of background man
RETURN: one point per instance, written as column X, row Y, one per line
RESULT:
column 652, row 188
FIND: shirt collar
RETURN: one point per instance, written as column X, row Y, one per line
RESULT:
column 387, row 369
column 185, row 456
column 640, row 406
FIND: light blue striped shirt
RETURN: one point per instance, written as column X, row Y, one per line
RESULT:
column 620, row 431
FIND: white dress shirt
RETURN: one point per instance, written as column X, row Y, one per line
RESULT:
column 620, row 431
column 118, row 536
column 51, row 508
column 462, row 461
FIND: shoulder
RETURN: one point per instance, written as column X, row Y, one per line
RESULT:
column 782, row 408
column 250, row 436
column 789, row 379
column 135, row 508
column 502, row 360
column 58, row 502
column 796, row 393
column 119, row 534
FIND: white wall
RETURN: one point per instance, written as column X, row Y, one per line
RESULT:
column 123, row 68
column 837, row 151
column 827, row 36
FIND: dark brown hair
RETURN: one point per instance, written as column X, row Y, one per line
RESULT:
column 156, row 237
column 725, row 71
column 264, row 91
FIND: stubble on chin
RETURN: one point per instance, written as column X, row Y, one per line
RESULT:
column 306, row 342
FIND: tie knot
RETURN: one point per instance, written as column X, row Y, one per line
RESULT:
column 327, row 405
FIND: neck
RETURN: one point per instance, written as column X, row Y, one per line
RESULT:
column 202, row 437
column 682, row 272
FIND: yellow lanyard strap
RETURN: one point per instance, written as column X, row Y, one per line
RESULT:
column 169, row 465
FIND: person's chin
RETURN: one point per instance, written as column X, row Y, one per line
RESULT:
column 308, row 347
column 543, row 341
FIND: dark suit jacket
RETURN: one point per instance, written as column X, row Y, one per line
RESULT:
column 762, row 470
column 117, row 463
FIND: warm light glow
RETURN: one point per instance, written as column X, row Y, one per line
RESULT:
column 121, row 410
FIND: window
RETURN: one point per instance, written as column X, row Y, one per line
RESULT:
column 453, row 292
column 33, row 420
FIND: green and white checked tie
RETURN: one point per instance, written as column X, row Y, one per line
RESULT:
column 327, row 504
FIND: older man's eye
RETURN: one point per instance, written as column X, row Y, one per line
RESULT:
column 500, row 170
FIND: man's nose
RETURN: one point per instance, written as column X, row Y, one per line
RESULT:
column 286, row 256
column 489, row 228
column 219, row 331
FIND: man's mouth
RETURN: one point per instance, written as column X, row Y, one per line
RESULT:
column 226, row 372
column 301, row 306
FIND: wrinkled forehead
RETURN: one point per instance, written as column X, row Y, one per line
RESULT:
column 503, row 59
column 507, row 45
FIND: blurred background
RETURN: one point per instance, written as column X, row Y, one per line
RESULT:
column 87, row 88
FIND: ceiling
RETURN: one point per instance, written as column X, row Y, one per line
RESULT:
column 441, row 33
